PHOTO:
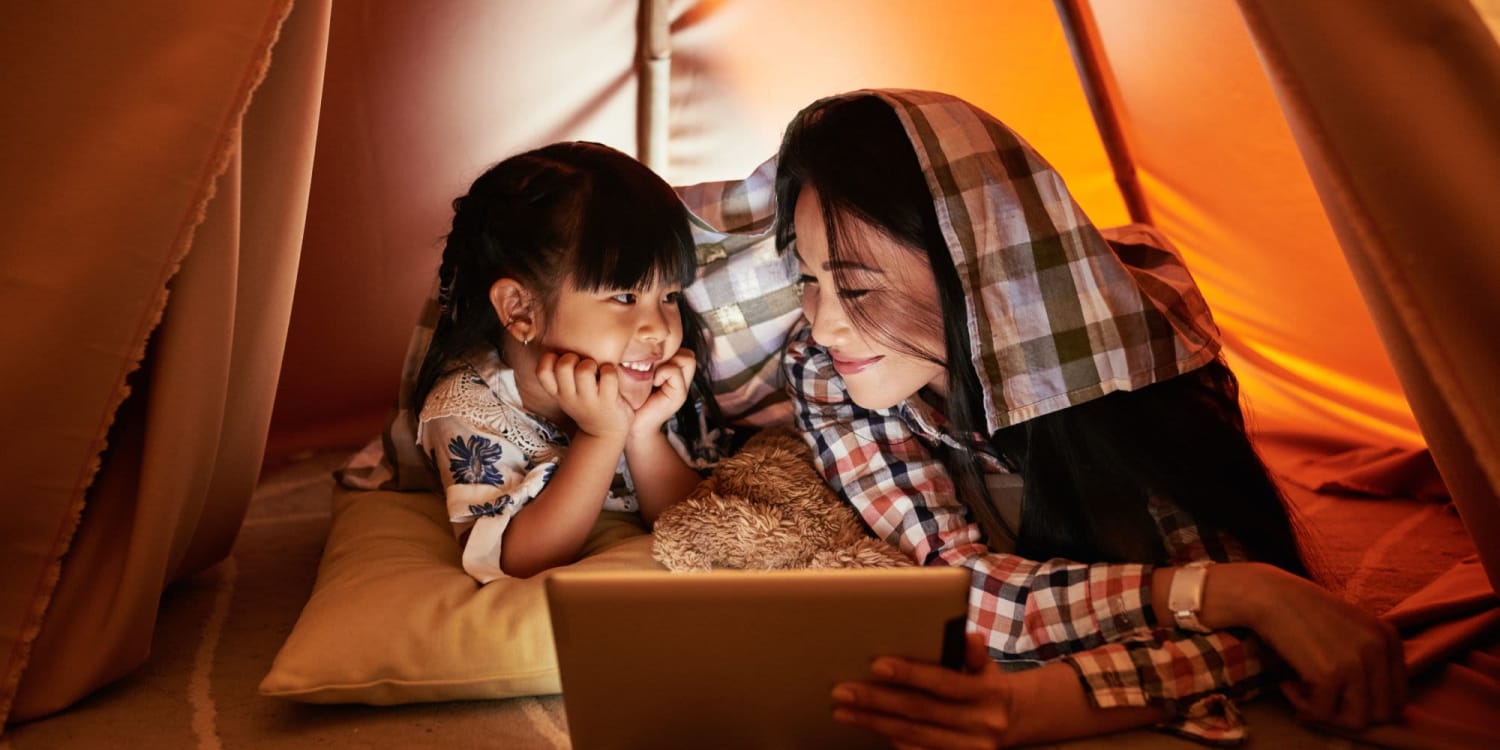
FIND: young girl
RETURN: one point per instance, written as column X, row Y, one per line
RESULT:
column 990, row 383
column 565, row 376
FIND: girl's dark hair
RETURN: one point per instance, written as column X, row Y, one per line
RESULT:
column 1089, row 470
column 580, row 213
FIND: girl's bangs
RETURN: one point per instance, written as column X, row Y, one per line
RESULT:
column 633, row 239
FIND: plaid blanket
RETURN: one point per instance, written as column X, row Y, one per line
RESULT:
column 1056, row 317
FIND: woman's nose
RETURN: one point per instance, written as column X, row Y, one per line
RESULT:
column 830, row 325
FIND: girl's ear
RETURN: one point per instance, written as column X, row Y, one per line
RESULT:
column 514, row 307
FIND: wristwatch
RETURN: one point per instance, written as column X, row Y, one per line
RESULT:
column 1185, row 596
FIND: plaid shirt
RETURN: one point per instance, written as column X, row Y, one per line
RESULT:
column 1096, row 618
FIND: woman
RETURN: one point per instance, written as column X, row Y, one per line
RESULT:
column 991, row 383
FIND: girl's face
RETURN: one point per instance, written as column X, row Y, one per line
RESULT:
column 890, row 280
column 635, row 330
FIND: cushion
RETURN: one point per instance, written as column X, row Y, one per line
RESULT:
column 393, row 618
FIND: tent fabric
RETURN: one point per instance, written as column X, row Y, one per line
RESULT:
column 144, row 173
column 1421, row 244
column 134, row 152
column 1222, row 174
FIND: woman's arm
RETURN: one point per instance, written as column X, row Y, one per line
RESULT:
column 1350, row 665
column 1041, row 611
column 1028, row 610
column 917, row 705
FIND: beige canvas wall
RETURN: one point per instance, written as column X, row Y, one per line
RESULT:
column 419, row 100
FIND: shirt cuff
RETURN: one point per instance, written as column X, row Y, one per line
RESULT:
column 1109, row 676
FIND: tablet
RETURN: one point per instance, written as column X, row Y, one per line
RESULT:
column 739, row 659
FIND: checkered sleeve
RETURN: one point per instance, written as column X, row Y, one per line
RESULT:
column 1193, row 675
column 1031, row 611
column 1095, row 617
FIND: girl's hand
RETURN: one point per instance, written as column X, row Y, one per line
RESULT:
column 916, row 705
column 1350, row 665
column 589, row 393
column 669, row 392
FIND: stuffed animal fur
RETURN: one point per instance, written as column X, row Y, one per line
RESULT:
column 767, row 507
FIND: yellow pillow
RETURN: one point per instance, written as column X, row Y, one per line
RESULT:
column 393, row 618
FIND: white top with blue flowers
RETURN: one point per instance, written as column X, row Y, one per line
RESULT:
column 494, row 457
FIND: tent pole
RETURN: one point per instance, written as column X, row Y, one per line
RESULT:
column 1075, row 25
column 655, row 69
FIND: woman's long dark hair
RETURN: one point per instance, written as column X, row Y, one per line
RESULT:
column 578, row 211
column 1090, row 470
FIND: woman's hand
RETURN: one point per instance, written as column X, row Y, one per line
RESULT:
column 589, row 393
column 917, row 705
column 1350, row 665
column 669, row 391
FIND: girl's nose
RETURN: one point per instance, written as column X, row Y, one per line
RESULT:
column 652, row 325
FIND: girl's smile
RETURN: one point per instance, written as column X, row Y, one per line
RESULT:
column 644, row 369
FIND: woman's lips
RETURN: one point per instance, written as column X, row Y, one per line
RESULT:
column 852, row 366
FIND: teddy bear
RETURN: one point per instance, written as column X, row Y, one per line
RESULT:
column 766, row 507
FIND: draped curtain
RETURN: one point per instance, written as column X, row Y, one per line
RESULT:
column 153, row 221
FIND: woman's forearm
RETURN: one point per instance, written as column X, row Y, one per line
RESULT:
column 1233, row 595
column 1050, row 704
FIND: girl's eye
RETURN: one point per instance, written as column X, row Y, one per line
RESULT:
column 671, row 298
column 853, row 293
column 807, row 279
column 624, row 298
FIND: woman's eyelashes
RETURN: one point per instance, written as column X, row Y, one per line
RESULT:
column 806, row 279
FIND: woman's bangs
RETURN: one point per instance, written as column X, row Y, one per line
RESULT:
column 891, row 314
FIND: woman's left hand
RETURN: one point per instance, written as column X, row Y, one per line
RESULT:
column 917, row 705
column 669, row 390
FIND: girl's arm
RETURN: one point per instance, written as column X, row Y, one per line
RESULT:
column 556, row 524
column 661, row 477
column 488, row 481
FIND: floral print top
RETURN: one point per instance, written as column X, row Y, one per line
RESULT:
column 493, row 457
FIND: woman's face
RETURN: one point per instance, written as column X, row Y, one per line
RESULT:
column 891, row 281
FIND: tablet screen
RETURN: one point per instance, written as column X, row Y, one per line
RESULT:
column 739, row 659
